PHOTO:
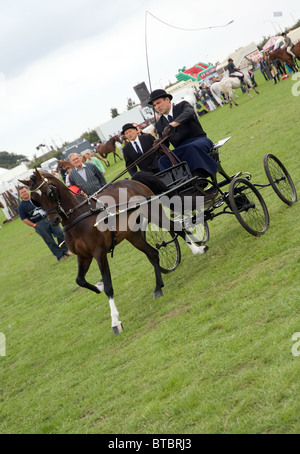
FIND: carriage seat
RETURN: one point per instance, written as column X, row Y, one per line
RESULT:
column 214, row 152
column 175, row 175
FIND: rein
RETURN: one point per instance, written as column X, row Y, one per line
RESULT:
column 173, row 158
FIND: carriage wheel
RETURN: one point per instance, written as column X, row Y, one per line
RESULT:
column 167, row 245
column 248, row 206
column 280, row 179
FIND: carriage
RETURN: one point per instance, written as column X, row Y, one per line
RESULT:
column 222, row 194
column 226, row 194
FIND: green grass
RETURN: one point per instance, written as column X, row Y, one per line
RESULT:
column 212, row 356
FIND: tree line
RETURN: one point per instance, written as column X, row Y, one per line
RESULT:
column 11, row 160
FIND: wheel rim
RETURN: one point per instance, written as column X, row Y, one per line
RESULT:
column 248, row 206
column 280, row 179
column 167, row 246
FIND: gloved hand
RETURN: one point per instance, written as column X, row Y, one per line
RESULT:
column 167, row 131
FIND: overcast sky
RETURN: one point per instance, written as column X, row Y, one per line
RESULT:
column 65, row 63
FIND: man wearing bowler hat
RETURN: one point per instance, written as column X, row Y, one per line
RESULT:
column 181, row 124
column 135, row 148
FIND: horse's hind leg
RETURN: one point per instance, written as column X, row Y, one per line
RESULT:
column 116, row 154
column 138, row 241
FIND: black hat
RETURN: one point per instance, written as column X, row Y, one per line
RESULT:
column 230, row 59
column 156, row 94
column 128, row 126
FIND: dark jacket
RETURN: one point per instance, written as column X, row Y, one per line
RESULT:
column 95, row 179
column 189, row 127
column 148, row 164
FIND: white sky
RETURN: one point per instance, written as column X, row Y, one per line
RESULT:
column 65, row 63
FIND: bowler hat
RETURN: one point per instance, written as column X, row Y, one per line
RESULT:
column 128, row 126
column 159, row 93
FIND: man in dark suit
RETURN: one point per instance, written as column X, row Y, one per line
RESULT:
column 135, row 148
column 179, row 121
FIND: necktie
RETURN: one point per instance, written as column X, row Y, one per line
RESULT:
column 170, row 118
column 138, row 150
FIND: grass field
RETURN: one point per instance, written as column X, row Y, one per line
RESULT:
column 214, row 355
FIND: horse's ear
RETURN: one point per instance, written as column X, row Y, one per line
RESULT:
column 25, row 182
column 37, row 173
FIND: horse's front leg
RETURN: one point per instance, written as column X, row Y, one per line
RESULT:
column 108, row 289
column 83, row 266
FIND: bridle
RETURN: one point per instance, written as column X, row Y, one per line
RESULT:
column 51, row 194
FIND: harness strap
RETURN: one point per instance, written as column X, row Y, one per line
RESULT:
column 81, row 217
column 170, row 154
column 113, row 244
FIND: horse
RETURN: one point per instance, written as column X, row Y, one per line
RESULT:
column 103, row 149
column 217, row 94
column 227, row 84
column 285, row 57
column 78, row 215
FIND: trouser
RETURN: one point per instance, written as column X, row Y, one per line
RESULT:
column 210, row 105
column 289, row 51
column 47, row 231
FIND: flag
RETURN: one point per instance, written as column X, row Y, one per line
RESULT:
column 277, row 13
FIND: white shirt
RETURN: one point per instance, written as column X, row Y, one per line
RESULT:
column 170, row 113
column 82, row 172
column 137, row 140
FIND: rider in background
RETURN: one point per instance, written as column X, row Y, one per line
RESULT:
column 234, row 71
column 288, row 43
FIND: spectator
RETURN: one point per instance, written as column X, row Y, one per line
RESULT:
column 91, row 157
column 34, row 216
column 86, row 176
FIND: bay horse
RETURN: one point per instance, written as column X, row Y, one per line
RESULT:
column 227, row 84
column 103, row 149
column 78, row 215
column 285, row 57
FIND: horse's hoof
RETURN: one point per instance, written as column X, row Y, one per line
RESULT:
column 157, row 294
column 118, row 329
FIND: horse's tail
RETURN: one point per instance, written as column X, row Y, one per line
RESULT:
column 154, row 183
column 216, row 94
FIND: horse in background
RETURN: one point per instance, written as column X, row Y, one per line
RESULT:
column 285, row 57
column 103, row 149
column 217, row 93
column 228, row 84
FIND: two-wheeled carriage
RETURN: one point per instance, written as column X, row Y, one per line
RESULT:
column 224, row 194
